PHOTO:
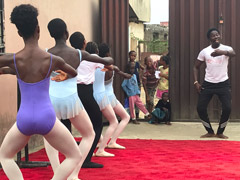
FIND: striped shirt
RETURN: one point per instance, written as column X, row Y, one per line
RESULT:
column 149, row 77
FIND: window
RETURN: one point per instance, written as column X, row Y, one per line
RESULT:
column 155, row 36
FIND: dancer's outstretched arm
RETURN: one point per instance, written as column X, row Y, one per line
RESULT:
column 121, row 73
column 7, row 70
column 6, row 60
column 97, row 59
column 60, row 64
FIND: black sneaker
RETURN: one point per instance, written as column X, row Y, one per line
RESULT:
column 91, row 165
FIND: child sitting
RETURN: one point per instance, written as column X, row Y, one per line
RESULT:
column 130, row 87
column 162, row 111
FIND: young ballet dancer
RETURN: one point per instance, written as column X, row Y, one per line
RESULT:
column 116, row 105
column 85, row 79
column 36, row 114
column 103, row 102
column 64, row 97
column 132, row 90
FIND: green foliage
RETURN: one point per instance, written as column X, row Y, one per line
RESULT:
column 156, row 46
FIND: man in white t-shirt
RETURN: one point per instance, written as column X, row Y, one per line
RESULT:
column 216, row 81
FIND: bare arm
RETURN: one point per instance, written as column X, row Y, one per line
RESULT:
column 144, row 82
column 163, row 75
column 124, row 75
column 97, row 59
column 6, row 60
column 196, row 73
column 218, row 52
column 141, row 66
column 7, row 71
column 61, row 65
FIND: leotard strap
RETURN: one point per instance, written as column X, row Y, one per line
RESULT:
column 80, row 55
column 49, row 66
column 14, row 56
column 14, row 59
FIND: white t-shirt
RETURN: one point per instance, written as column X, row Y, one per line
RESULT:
column 86, row 71
column 216, row 67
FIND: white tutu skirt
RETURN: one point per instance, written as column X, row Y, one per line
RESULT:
column 67, row 107
column 113, row 100
column 101, row 99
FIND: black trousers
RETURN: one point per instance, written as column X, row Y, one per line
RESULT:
column 85, row 93
column 68, row 124
column 223, row 91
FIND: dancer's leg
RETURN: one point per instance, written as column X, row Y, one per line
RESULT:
column 203, row 100
column 109, row 114
column 84, row 126
column 52, row 154
column 120, row 111
column 13, row 142
column 61, row 139
column 85, row 93
column 100, row 140
column 224, row 95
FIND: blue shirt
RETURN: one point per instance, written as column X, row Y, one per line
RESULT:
column 130, row 86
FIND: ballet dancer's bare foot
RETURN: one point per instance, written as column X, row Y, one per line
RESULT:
column 208, row 135
column 115, row 146
column 104, row 154
column 222, row 136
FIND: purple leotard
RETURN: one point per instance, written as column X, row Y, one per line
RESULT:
column 36, row 114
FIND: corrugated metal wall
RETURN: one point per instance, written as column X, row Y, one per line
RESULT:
column 189, row 23
column 114, row 21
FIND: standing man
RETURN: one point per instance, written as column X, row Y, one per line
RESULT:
column 216, row 81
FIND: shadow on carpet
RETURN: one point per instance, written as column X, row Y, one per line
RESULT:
column 156, row 160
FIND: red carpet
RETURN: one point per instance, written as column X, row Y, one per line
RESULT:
column 157, row 160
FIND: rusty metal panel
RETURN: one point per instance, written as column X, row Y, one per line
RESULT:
column 114, row 21
column 189, row 21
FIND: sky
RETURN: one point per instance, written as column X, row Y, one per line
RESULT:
column 159, row 11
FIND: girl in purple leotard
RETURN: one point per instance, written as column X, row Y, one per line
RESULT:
column 36, row 115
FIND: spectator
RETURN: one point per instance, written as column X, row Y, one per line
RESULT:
column 162, row 111
column 131, row 88
column 163, row 82
column 132, row 58
column 150, row 82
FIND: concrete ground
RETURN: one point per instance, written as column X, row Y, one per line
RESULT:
column 177, row 131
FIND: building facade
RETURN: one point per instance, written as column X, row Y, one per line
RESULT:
column 79, row 15
column 139, row 13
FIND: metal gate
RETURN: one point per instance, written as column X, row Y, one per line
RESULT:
column 189, row 23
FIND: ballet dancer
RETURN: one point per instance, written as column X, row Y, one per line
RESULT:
column 116, row 105
column 103, row 102
column 64, row 97
column 85, row 79
column 36, row 115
